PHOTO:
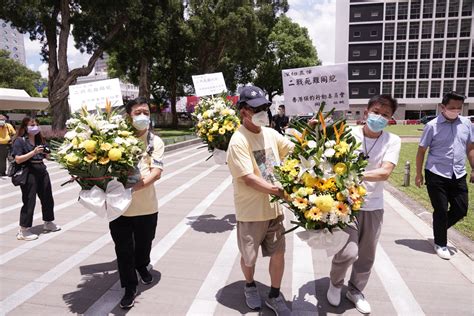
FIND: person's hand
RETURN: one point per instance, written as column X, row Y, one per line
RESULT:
column 471, row 180
column 38, row 150
column 419, row 181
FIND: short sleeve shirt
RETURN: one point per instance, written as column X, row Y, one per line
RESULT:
column 21, row 146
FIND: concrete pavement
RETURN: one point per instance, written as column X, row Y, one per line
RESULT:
column 196, row 262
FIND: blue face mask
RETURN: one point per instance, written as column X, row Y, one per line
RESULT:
column 376, row 122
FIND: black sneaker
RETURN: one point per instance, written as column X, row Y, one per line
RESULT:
column 128, row 300
column 145, row 275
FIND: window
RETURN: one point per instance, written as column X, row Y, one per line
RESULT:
column 426, row 29
column 449, row 69
column 425, row 50
column 355, row 91
column 357, row 15
column 427, row 9
column 374, row 14
column 356, row 34
column 373, row 52
column 402, row 10
column 387, row 88
column 388, row 51
column 424, row 69
column 414, row 30
column 402, row 31
column 400, row 70
column 440, row 8
column 435, row 89
column 372, row 72
column 472, row 70
column 389, row 31
column 466, row 9
column 355, row 72
column 413, row 50
column 439, row 29
column 411, row 70
column 453, row 7
column 465, row 28
column 356, row 53
column 374, row 33
column 437, row 69
column 461, row 86
column 462, row 69
column 398, row 93
column 451, row 49
column 463, row 48
column 401, row 48
column 423, row 89
column 372, row 91
column 452, row 28
column 448, row 86
column 411, row 89
column 471, row 88
column 387, row 70
column 415, row 10
column 390, row 11
column 438, row 48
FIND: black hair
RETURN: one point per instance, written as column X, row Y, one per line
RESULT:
column 453, row 95
column 384, row 99
column 131, row 103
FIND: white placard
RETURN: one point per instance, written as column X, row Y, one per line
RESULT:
column 306, row 88
column 208, row 84
column 95, row 94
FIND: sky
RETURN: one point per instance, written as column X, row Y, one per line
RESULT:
column 317, row 16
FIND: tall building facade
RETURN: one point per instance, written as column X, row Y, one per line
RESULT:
column 415, row 50
column 12, row 41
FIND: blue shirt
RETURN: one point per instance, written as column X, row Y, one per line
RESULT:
column 447, row 142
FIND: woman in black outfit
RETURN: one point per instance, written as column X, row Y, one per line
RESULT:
column 28, row 149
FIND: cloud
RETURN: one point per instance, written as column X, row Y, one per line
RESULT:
column 43, row 69
column 319, row 17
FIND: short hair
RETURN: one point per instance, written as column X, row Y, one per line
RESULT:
column 131, row 103
column 383, row 99
column 453, row 95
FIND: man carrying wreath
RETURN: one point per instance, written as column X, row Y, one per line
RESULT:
column 252, row 153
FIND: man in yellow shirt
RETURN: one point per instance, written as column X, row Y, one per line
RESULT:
column 253, row 152
column 6, row 134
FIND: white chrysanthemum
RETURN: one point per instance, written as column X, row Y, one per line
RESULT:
column 70, row 135
column 312, row 198
column 119, row 140
column 312, row 144
column 330, row 143
column 329, row 152
column 333, row 218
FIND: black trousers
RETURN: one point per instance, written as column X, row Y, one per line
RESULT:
column 38, row 183
column 3, row 158
column 444, row 191
column 132, row 237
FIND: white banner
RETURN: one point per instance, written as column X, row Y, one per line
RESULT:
column 95, row 94
column 306, row 88
column 208, row 84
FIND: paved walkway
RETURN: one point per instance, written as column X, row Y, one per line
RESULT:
column 196, row 262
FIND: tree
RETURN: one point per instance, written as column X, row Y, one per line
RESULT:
column 93, row 23
column 289, row 46
column 16, row 76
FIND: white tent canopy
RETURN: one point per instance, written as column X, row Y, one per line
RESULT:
column 16, row 99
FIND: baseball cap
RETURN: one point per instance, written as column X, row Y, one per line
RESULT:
column 253, row 96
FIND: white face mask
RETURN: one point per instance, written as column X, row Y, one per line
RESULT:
column 2, row 122
column 141, row 122
column 260, row 118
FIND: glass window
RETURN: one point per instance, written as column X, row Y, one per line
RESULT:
column 448, row 86
column 435, row 89
column 402, row 10
column 372, row 91
column 355, row 72
column 462, row 69
column 471, row 88
column 452, row 28
column 465, row 28
column 411, row 89
column 415, row 10
column 389, row 31
column 400, row 70
column 451, row 49
column 411, row 70
column 388, row 51
column 374, row 14
column 357, row 14
column 356, row 34
column 374, row 33
column 355, row 91
column 440, row 8
column 424, row 69
column 427, row 9
column 438, row 48
column 401, row 48
column 356, row 53
column 453, row 7
column 373, row 52
column 423, row 89
column 390, row 11
column 461, row 86
column 425, row 50
column 387, row 70
column 472, row 70
column 463, row 48
column 398, row 93
column 466, row 8
column 402, row 30
column 449, row 69
column 439, row 29
column 372, row 72
column 387, row 88
column 413, row 50
column 426, row 29
column 414, row 30
column 437, row 69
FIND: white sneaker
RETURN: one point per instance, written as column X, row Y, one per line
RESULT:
column 359, row 301
column 442, row 252
column 334, row 295
column 25, row 234
column 51, row 227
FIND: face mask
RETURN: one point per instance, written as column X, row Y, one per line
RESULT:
column 33, row 130
column 451, row 114
column 260, row 118
column 2, row 122
column 141, row 122
column 376, row 123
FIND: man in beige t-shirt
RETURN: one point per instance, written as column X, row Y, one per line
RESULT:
column 253, row 152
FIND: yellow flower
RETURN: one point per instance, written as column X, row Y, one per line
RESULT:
column 89, row 145
column 199, row 125
column 105, row 146
column 225, row 112
column 309, row 181
column 210, row 138
column 330, row 185
column 104, row 160
column 289, row 165
column 75, row 142
column 324, row 202
column 313, row 214
column 115, row 154
column 293, row 173
column 215, row 127
column 356, row 206
column 342, row 208
column 361, row 190
column 300, row 203
column 124, row 133
column 340, row 168
column 340, row 196
column 222, row 131
column 342, row 147
column 71, row 159
column 205, row 114
column 90, row 158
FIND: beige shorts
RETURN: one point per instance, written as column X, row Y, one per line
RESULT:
column 268, row 234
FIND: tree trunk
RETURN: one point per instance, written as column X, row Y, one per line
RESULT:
column 144, row 84
column 60, row 112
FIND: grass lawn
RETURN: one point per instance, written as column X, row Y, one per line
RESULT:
column 405, row 130
column 408, row 153
column 169, row 132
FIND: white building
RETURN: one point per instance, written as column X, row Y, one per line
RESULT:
column 414, row 50
column 12, row 41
